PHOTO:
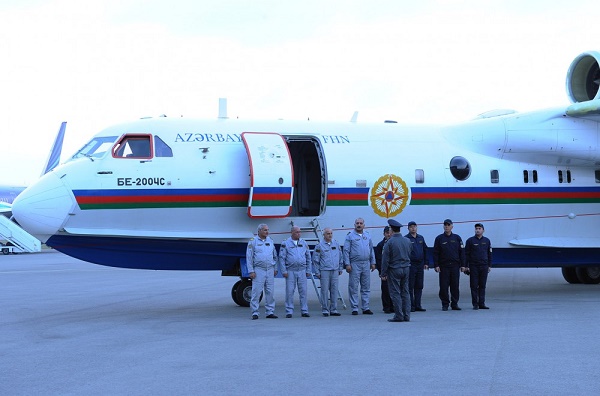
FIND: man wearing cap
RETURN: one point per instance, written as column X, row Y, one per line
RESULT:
column 294, row 261
column 358, row 257
column 418, row 263
column 386, row 300
column 328, row 263
column 478, row 251
column 449, row 261
column 395, row 267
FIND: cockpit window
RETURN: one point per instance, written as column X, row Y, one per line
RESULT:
column 133, row 146
column 161, row 149
column 96, row 148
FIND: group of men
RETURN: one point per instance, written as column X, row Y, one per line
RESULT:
column 401, row 261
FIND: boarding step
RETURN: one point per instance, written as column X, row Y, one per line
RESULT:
column 14, row 234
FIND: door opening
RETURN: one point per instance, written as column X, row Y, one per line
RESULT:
column 310, row 175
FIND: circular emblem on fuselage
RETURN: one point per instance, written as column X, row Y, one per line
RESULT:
column 389, row 196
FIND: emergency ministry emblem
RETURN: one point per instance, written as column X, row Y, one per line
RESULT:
column 389, row 196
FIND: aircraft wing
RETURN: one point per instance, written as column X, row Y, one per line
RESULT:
column 561, row 242
column 585, row 109
column 5, row 207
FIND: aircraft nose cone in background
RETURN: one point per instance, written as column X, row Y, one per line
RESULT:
column 44, row 207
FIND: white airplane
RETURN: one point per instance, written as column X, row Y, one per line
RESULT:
column 183, row 194
column 9, row 193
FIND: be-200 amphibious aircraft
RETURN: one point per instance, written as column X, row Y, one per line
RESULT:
column 182, row 194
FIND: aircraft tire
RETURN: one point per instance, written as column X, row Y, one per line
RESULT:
column 234, row 292
column 243, row 293
column 589, row 275
column 570, row 274
column 5, row 251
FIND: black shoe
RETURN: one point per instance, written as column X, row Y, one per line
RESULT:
column 407, row 318
column 456, row 308
column 484, row 307
column 367, row 312
column 420, row 309
column 254, row 317
column 388, row 312
column 475, row 307
column 335, row 314
column 444, row 308
column 305, row 315
column 395, row 320
column 413, row 309
column 271, row 316
column 354, row 312
column 288, row 316
column 325, row 314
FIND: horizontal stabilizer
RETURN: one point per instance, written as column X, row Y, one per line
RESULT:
column 558, row 242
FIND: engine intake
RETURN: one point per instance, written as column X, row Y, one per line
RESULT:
column 583, row 77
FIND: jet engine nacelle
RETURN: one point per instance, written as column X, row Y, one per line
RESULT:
column 583, row 77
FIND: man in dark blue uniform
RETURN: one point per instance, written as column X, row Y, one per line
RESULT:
column 418, row 263
column 386, row 300
column 449, row 262
column 478, row 251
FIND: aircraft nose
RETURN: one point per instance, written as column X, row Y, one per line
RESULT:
column 43, row 208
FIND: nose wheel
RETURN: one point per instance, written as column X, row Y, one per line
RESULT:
column 241, row 292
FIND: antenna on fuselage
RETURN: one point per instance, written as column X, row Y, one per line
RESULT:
column 223, row 108
column 354, row 117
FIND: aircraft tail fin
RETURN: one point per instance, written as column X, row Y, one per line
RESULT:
column 55, row 151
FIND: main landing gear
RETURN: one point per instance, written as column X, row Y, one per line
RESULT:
column 241, row 292
column 587, row 275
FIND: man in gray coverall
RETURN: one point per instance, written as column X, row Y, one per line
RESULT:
column 358, row 257
column 294, row 261
column 328, row 263
column 261, row 258
column 395, row 266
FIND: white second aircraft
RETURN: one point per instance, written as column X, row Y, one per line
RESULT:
column 185, row 194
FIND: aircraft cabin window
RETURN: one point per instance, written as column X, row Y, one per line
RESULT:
column 560, row 176
column 133, row 146
column 161, row 149
column 460, row 168
column 419, row 176
column 495, row 176
column 527, row 179
column 597, row 173
column 564, row 176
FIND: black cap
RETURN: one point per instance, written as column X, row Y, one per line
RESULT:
column 479, row 225
column 448, row 221
column 411, row 223
column 394, row 224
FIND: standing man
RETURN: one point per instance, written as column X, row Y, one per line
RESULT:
column 449, row 262
column 261, row 258
column 478, row 251
column 358, row 257
column 386, row 300
column 294, row 261
column 395, row 267
column 328, row 264
column 418, row 263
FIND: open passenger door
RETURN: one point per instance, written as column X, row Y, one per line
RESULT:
column 271, row 175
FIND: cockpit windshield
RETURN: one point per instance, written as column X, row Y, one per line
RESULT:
column 96, row 148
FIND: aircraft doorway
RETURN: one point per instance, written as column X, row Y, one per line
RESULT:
column 310, row 175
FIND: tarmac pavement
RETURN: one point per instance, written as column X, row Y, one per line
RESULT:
column 72, row 328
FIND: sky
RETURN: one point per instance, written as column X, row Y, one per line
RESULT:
column 94, row 64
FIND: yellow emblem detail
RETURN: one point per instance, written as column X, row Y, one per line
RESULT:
column 389, row 196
